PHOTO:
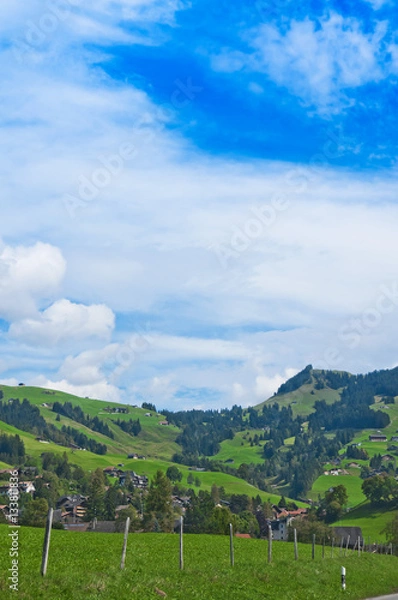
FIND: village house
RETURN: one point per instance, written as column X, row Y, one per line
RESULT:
column 282, row 520
column 280, row 529
column 387, row 457
column 377, row 438
column 113, row 471
column 24, row 487
column 138, row 481
column 73, row 508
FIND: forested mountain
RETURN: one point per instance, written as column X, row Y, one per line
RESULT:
column 306, row 424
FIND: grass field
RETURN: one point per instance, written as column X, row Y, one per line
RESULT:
column 372, row 520
column 353, row 485
column 239, row 450
column 302, row 400
column 86, row 565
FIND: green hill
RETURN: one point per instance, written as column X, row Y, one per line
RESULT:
column 238, row 437
column 371, row 519
column 302, row 393
column 156, row 442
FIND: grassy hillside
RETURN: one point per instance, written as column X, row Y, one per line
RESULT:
column 303, row 399
column 351, row 482
column 86, row 565
column 154, row 440
column 371, row 519
column 239, row 449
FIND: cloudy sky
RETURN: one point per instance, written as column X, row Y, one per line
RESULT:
column 198, row 198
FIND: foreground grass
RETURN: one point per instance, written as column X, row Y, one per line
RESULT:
column 86, row 565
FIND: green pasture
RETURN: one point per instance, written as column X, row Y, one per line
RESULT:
column 87, row 565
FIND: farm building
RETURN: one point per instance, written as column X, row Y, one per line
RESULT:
column 348, row 534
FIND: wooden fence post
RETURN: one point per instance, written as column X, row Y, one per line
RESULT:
column 46, row 545
column 295, row 545
column 332, row 548
column 341, row 546
column 269, row 544
column 181, row 543
column 346, row 548
column 323, row 548
column 231, row 544
column 313, row 546
column 126, row 533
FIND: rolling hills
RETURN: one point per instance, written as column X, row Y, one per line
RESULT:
column 247, row 441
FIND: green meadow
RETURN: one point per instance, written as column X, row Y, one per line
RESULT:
column 302, row 401
column 371, row 519
column 352, row 484
column 87, row 565
column 239, row 449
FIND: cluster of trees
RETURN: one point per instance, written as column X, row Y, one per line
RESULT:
column 81, row 440
column 203, row 431
column 132, row 426
column 279, row 422
column 12, row 449
column 381, row 489
column 357, row 453
column 391, row 531
column 76, row 414
column 352, row 411
column 149, row 406
column 24, row 416
column 205, row 514
column 27, row 417
column 59, row 477
column 332, row 506
column 306, row 528
column 294, row 383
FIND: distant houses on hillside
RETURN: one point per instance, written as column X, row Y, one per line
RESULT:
column 378, row 438
column 117, row 410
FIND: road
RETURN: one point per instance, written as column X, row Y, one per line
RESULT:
column 393, row 597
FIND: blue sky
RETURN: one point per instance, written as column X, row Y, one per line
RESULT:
column 198, row 198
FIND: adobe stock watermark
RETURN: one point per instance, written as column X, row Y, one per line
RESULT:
column 334, row 147
column 88, row 188
column 38, row 31
column 262, row 217
column 111, row 166
column 13, row 535
column 352, row 333
column 296, row 181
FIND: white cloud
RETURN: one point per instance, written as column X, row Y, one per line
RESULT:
column 65, row 322
column 266, row 386
column 319, row 61
column 100, row 391
column 28, row 275
column 377, row 4
column 146, row 241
